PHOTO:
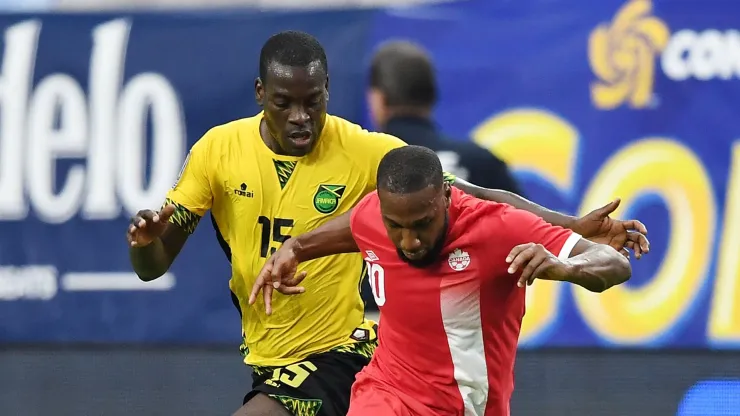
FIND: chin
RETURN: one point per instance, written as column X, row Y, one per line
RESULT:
column 421, row 263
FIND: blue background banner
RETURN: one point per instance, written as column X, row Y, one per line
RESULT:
column 624, row 98
column 96, row 115
column 621, row 98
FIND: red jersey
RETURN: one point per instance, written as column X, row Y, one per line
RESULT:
column 448, row 332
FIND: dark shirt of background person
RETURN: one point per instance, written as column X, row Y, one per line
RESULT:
column 401, row 99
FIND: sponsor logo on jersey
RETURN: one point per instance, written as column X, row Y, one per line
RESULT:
column 326, row 199
column 371, row 256
column 242, row 191
column 459, row 260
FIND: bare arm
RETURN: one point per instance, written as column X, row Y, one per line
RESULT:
column 597, row 267
column 156, row 238
column 153, row 260
column 280, row 272
column 332, row 237
column 597, row 225
column 505, row 197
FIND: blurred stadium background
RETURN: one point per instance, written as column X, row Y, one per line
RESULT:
column 586, row 100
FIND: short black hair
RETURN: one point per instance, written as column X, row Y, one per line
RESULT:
column 403, row 71
column 409, row 169
column 292, row 48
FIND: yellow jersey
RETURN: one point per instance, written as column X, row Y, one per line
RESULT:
column 258, row 199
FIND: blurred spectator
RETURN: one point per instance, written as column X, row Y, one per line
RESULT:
column 401, row 98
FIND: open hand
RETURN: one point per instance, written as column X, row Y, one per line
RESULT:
column 147, row 225
column 278, row 273
column 621, row 235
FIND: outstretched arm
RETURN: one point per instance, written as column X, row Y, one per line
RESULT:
column 516, row 201
column 333, row 237
column 597, row 226
column 280, row 271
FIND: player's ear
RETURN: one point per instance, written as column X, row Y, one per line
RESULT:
column 259, row 92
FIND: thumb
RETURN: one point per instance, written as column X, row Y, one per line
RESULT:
column 609, row 208
column 166, row 212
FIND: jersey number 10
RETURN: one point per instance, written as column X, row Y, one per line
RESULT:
column 376, row 275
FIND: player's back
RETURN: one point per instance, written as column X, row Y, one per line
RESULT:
column 448, row 332
column 260, row 199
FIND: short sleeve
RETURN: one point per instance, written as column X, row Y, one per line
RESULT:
column 525, row 227
column 192, row 195
column 373, row 146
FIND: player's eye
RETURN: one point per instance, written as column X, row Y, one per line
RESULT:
column 315, row 102
column 422, row 224
column 281, row 104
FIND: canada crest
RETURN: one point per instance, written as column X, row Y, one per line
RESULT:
column 459, row 260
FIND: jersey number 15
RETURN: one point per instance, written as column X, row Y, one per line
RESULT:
column 272, row 231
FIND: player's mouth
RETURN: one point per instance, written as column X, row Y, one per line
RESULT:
column 415, row 255
column 301, row 139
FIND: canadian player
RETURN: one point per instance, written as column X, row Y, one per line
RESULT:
column 448, row 272
column 283, row 172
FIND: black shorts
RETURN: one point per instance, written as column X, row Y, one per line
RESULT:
column 320, row 385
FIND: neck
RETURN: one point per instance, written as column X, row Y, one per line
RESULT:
column 269, row 139
column 408, row 111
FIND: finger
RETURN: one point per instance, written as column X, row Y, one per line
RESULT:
column 259, row 283
column 267, row 296
column 516, row 250
column 530, row 268
column 136, row 220
column 144, row 217
column 629, row 244
column 255, row 292
column 639, row 244
column 165, row 213
column 291, row 290
column 521, row 260
column 131, row 239
column 296, row 280
column 625, row 253
column 280, row 271
column 609, row 208
column 642, row 241
column 635, row 225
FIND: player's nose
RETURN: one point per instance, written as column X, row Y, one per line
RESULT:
column 410, row 240
column 299, row 116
